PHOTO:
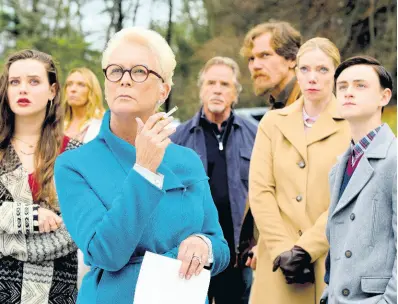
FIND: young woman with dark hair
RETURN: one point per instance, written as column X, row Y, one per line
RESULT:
column 38, row 259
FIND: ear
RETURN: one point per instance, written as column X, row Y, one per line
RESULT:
column 164, row 91
column 292, row 64
column 385, row 97
column 296, row 70
column 160, row 102
column 53, row 91
column 201, row 94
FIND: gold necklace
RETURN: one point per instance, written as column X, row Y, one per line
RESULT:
column 29, row 145
column 26, row 143
column 26, row 153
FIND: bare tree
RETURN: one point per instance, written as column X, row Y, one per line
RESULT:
column 372, row 35
column 150, row 13
column 120, row 15
column 34, row 6
column 168, row 39
column 136, row 7
column 15, row 31
column 58, row 16
column 79, row 13
column 111, row 11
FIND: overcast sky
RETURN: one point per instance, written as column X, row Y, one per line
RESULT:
column 98, row 22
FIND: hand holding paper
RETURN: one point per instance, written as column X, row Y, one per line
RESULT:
column 159, row 283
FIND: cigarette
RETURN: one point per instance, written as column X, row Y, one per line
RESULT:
column 169, row 113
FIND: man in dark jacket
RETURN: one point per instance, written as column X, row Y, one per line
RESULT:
column 224, row 143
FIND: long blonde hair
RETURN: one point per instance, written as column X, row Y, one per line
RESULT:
column 94, row 105
column 51, row 137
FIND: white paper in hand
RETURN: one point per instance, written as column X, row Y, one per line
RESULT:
column 159, row 283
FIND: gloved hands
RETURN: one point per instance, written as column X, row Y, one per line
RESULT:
column 296, row 266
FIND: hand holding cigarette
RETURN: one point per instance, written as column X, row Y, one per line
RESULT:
column 169, row 113
column 152, row 139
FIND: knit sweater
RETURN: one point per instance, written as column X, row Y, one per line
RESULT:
column 34, row 267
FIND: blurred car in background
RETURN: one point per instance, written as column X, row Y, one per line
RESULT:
column 253, row 115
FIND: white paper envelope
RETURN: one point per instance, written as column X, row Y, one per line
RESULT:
column 159, row 283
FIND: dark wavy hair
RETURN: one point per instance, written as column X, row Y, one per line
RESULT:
column 51, row 137
column 384, row 76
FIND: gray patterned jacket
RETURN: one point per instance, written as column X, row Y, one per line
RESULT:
column 34, row 267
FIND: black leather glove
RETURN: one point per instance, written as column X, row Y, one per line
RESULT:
column 296, row 266
column 305, row 276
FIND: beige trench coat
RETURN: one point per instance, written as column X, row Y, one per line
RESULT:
column 294, row 95
column 289, row 196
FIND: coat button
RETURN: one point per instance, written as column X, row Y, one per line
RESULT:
column 352, row 216
column 346, row 292
column 300, row 233
column 348, row 254
column 301, row 164
column 299, row 198
column 323, row 301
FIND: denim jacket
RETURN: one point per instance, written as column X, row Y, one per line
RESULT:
column 238, row 153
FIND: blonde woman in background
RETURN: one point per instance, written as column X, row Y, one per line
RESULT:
column 83, row 105
column 83, row 115
column 295, row 149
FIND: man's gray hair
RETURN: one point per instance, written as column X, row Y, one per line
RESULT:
column 229, row 62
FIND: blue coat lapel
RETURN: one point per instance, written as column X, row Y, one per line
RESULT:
column 125, row 154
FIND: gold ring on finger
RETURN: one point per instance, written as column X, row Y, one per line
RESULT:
column 197, row 258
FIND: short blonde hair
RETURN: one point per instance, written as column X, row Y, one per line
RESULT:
column 218, row 60
column 285, row 39
column 323, row 44
column 164, row 55
column 94, row 106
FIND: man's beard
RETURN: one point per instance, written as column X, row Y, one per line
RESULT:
column 260, row 90
column 216, row 109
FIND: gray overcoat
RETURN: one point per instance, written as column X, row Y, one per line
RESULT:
column 362, row 227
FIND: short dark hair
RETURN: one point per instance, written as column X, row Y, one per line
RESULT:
column 384, row 76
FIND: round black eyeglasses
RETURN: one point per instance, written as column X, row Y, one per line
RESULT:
column 138, row 73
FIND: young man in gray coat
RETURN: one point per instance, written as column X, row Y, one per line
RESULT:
column 362, row 225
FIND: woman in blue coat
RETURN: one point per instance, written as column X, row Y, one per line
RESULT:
column 131, row 190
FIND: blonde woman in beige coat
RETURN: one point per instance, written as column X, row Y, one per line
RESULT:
column 294, row 150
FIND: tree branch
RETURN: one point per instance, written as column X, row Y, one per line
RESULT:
column 137, row 5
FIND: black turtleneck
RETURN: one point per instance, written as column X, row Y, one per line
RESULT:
column 217, row 172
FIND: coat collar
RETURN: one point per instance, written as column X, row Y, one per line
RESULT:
column 10, row 160
column 293, row 127
column 195, row 121
column 283, row 96
column 125, row 154
column 377, row 149
column 297, row 106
